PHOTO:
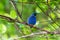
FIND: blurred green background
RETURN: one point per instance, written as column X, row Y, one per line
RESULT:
column 48, row 18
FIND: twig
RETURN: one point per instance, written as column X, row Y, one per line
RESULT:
column 46, row 15
column 26, row 2
column 42, row 31
column 50, row 16
column 30, row 35
column 18, row 29
column 14, row 5
column 37, row 33
column 12, row 20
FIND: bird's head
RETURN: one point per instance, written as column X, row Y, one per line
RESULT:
column 34, row 14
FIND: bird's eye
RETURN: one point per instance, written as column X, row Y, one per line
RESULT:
column 34, row 14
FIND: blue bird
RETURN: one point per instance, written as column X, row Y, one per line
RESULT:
column 32, row 19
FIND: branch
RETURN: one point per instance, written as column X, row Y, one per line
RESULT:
column 13, row 20
column 42, row 31
column 18, row 29
column 37, row 33
column 46, row 15
column 27, row 2
column 16, row 9
column 30, row 35
column 50, row 16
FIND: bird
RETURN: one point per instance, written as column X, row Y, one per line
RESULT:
column 32, row 19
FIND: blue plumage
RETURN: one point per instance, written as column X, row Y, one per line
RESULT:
column 32, row 19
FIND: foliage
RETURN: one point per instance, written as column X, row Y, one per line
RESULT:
column 48, row 18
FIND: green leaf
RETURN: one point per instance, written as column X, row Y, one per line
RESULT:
column 13, row 14
column 53, row 16
column 1, row 7
column 3, row 28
